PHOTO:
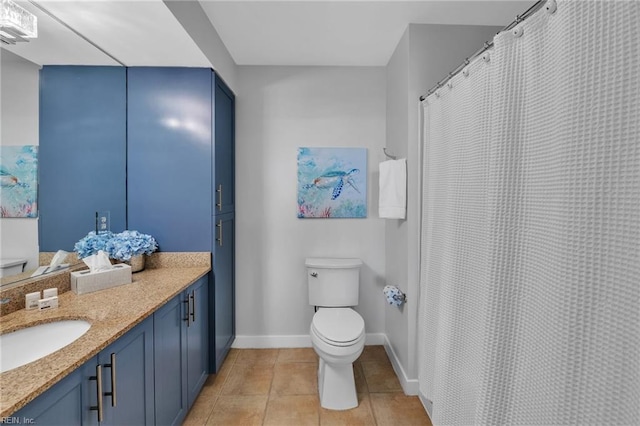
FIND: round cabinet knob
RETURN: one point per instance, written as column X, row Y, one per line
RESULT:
column 314, row 274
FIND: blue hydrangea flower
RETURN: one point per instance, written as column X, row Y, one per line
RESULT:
column 120, row 246
column 127, row 244
column 92, row 243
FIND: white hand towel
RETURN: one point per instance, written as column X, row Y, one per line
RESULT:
column 393, row 189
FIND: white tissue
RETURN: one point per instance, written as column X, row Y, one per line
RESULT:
column 394, row 295
column 98, row 262
column 55, row 265
column 57, row 260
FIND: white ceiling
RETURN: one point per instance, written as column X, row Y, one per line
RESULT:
column 264, row 32
column 338, row 32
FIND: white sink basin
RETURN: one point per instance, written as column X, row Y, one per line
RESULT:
column 32, row 343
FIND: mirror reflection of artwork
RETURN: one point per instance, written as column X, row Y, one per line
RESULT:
column 19, row 181
column 332, row 182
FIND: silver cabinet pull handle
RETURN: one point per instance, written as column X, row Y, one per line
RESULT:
column 98, row 379
column 219, row 203
column 188, row 308
column 193, row 306
column 112, row 366
column 219, row 226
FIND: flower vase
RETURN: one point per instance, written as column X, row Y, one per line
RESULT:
column 136, row 262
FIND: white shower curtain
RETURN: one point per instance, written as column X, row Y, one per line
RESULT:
column 530, row 284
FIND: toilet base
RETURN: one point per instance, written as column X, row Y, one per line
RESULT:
column 336, row 386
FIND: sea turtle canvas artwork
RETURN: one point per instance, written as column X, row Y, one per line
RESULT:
column 19, row 181
column 332, row 182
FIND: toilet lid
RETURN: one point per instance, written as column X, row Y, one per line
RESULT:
column 338, row 325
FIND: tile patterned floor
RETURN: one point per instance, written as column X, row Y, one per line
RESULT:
column 279, row 387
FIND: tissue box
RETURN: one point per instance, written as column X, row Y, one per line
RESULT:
column 87, row 282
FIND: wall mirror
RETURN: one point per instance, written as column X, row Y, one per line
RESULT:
column 57, row 44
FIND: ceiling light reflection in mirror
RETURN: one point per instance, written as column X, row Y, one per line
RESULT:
column 57, row 44
column 16, row 23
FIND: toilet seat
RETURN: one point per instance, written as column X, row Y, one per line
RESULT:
column 338, row 326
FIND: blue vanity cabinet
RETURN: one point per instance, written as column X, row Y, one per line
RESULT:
column 181, row 357
column 127, row 379
column 81, row 153
column 74, row 400
column 171, row 362
column 61, row 405
column 197, row 338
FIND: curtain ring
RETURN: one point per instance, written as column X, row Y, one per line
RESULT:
column 449, row 83
column 517, row 31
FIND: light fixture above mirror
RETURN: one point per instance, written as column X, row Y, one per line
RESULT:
column 16, row 23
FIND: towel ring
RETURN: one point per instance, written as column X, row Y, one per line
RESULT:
column 393, row 157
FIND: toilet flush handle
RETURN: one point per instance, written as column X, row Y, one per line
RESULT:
column 314, row 274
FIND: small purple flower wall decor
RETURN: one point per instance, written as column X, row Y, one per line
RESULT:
column 332, row 182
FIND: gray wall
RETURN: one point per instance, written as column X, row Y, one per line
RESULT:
column 279, row 109
column 425, row 55
column 19, row 104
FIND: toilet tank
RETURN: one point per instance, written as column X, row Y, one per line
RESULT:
column 10, row 267
column 333, row 282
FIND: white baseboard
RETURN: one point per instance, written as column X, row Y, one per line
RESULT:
column 262, row 342
column 375, row 339
column 295, row 341
column 409, row 386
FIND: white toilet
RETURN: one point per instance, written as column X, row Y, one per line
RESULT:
column 337, row 331
column 10, row 267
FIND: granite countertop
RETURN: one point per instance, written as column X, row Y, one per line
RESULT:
column 111, row 312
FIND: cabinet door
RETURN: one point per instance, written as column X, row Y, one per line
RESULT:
column 222, row 299
column 197, row 338
column 170, row 362
column 127, row 377
column 82, row 152
column 60, row 405
column 169, row 170
column 224, row 147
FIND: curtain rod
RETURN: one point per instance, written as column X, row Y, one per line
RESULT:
column 487, row 45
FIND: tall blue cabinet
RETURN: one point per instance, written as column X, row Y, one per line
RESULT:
column 223, row 273
column 180, row 176
column 169, row 152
